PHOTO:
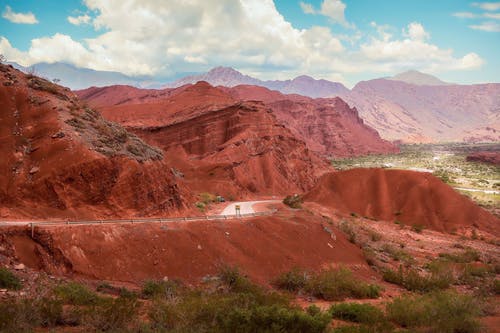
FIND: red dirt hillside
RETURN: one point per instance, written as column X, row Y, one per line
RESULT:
column 413, row 198
column 262, row 247
column 61, row 159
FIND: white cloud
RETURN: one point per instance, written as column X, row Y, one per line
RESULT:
column 491, row 6
column 486, row 26
column 416, row 32
column 250, row 35
column 22, row 18
column 495, row 16
column 333, row 9
column 415, row 52
column 466, row 15
column 307, row 8
column 78, row 20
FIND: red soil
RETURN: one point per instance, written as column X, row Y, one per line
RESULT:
column 411, row 197
column 50, row 168
column 485, row 156
column 263, row 247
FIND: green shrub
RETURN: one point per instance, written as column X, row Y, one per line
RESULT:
column 348, row 230
column 76, row 294
column 235, row 312
column 293, row 280
column 358, row 313
column 207, row 198
column 337, row 284
column 398, row 254
column 293, row 201
column 160, row 289
column 111, row 314
column 467, row 256
column 418, row 228
column 50, row 310
column 446, row 312
column 8, row 280
column 414, row 281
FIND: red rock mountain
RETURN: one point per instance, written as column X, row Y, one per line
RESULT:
column 328, row 126
column 410, row 106
column 62, row 159
column 220, row 144
column 413, row 198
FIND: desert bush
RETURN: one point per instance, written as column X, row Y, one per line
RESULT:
column 160, row 289
column 446, row 312
column 467, row 256
column 207, row 198
column 293, row 280
column 414, row 281
column 9, row 280
column 418, row 228
column 375, row 236
column 348, row 230
column 76, row 123
column 337, row 284
column 293, row 201
column 235, row 312
column 75, row 294
column 358, row 313
column 398, row 254
column 110, row 314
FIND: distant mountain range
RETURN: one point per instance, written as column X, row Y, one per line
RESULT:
column 301, row 85
column 410, row 106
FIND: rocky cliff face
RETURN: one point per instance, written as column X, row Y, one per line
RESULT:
column 327, row 125
column 222, row 145
column 62, row 159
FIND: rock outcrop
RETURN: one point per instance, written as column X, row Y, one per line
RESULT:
column 62, row 159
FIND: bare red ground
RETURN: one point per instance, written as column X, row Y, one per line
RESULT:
column 49, row 168
column 413, row 198
column 262, row 247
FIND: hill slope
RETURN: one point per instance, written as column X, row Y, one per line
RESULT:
column 413, row 198
column 62, row 159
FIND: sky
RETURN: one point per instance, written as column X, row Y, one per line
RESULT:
column 340, row 40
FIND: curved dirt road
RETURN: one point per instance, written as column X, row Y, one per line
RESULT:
column 246, row 207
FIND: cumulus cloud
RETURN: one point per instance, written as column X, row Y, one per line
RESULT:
column 78, row 20
column 490, row 6
column 414, row 51
column 22, row 18
column 307, row 8
column 466, row 15
column 333, row 9
column 250, row 35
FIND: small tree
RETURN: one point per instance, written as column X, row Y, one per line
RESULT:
column 56, row 81
column 2, row 58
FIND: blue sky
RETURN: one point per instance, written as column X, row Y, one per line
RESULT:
column 343, row 40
